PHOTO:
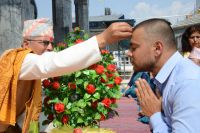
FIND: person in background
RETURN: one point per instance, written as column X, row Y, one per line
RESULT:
column 130, row 88
column 22, row 69
column 191, row 43
column 153, row 48
column 130, row 91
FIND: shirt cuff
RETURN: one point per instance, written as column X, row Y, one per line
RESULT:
column 155, row 120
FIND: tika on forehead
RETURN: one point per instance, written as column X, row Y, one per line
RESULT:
column 38, row 27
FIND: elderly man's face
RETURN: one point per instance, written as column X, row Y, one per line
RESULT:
column 39, row 45
column 141, row 51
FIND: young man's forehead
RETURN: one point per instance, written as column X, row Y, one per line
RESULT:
column 134, row 43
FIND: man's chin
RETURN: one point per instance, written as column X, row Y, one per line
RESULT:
column 136, row 69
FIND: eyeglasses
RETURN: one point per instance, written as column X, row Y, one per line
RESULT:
column 45, row 42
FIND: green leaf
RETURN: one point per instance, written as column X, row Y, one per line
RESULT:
column 86, row 36
column 100, row 107
column 67, row 112
column 65, row 101
column 86, row 96
column 80, row 120
column 86, row 72
column 78, row 74
column 85, row 84
column 57, row 123
column 69, row 105
column 56, row 100
column 104, row 76
column 93, row 74
column 70, row 44
column 81, row 104
column 79, row 81
column 96, row 95
column 73, row 109
column 97, row 116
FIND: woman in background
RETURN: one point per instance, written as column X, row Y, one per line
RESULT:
column 191, row 43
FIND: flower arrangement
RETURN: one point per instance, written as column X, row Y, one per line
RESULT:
column 83, row 98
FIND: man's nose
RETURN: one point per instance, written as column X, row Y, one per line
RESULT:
column 49, row 47
column 129, row 53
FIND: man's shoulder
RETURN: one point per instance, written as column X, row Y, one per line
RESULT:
column 15, row 50
column 13, row 53
column 186, row 69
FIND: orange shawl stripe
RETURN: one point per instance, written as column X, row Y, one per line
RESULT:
column 10, row 65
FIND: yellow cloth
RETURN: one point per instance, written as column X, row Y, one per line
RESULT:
column 10, row 65
column 186, row 54
column 69, row 129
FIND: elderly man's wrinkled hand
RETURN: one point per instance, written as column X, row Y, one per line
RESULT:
column 115, row 32
column 149, row 102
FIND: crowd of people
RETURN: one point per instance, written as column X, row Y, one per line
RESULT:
column 169, row 99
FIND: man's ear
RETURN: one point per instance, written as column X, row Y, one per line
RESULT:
column 25, row 44
column 158, row 48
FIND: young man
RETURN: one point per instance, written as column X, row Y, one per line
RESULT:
column 153, row 49
column 22, row 69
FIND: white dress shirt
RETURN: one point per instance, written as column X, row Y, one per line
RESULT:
column 178, row 81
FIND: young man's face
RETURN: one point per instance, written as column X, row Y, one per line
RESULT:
column 141, row 51
column 39, row 45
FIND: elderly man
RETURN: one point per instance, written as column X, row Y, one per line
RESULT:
column 22, row 69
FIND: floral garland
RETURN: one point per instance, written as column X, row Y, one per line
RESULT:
column 83, row 98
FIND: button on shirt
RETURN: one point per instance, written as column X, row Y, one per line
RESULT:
column 179, row 84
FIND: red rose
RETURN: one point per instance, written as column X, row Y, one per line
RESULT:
column 56, row 85
column 106, row 102
column 110, row 86
column 59, row 107
column 93, row 67
column 79, row 41
column 111, row 67
column 61, row 44
column 103, row 80
column 46, row 83
column 99, row 69
column 102, row 117
column 77, row 130
column 50, row 117
column 65, row 119
column 113, row 100
column 109, row 75
column 90, row 89
column 56, row 78
column 118, row 80
column 94, row 104
column 72, row 85
column 46, row 99
column 104, row 51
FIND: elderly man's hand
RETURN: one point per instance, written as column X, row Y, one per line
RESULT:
column 149, row 102
column 115, row 32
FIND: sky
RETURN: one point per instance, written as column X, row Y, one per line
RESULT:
column 173, row 10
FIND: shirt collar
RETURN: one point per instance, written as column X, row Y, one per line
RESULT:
column 166, row 70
